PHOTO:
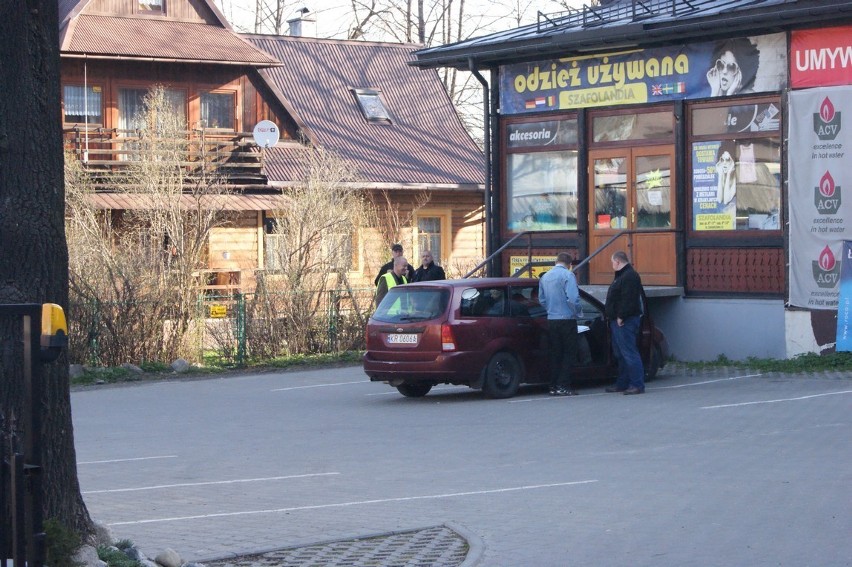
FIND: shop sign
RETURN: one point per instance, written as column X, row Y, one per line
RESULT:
column 638, row 76
column 539, row 134
column 821, row 58
column 818, row 157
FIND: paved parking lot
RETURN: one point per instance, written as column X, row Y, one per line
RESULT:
column 714, row 467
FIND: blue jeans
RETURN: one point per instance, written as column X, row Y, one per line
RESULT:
column 631, row 373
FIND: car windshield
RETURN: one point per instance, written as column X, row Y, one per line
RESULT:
column 404, row 304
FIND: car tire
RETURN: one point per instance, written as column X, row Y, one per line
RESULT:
column 502, row 376
column 414, row 389
column 653, row 363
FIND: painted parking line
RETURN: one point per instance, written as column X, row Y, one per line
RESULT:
column 708, row 382
column 318, row 386
column 127, row 460
column 354, row 503
column 800, row 398
column 210, row 483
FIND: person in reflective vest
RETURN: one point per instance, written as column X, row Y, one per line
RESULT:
column 393, row 278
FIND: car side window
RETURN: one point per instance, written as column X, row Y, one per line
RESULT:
column 523, row 302
column 484, row 302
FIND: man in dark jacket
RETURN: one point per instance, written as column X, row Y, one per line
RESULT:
column 428, row 271
column 396, row 252
column 624, row 311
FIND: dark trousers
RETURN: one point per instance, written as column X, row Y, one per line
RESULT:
column 562, row 350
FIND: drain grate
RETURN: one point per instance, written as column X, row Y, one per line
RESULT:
column 438, row 546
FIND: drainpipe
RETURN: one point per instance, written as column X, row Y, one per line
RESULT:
column 486, row 122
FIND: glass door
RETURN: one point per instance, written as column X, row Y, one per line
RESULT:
column 631, row 189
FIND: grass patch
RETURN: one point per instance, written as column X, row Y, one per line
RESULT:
column 809, row 362
column 309, row 360
column 115, row 557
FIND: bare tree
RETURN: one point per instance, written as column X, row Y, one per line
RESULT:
column 33, row 255
column 142, row 268
column 313, row 243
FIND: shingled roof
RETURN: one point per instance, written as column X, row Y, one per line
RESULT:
column 423, row 144
column 143, row 37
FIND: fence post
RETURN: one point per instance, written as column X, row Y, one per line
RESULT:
column 333, row 310
column 241, row 329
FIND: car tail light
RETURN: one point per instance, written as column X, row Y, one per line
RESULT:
column 448, row 340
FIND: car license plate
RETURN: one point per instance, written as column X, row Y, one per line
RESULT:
column 402, row 339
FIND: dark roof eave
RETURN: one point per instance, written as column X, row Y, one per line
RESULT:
column 748, row 21
column 72, row 55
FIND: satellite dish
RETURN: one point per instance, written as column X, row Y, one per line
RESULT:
column 266, row 134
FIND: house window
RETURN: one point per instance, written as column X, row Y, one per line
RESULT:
column 150, row 6
column 217, row 110
column 372, row 105
column 541, row 176
column 736, row 167
column 432, row 234
column 83, row 105
column 131, row 106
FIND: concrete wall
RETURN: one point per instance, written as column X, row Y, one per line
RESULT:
column 703, row 329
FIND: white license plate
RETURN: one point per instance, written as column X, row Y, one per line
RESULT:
column 402, row 339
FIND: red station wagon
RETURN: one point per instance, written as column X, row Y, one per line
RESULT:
column 486, row 333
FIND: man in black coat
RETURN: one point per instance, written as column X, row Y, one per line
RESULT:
column 428, row 271
column 623, row 309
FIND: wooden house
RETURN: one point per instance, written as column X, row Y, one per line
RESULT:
column 393, row 123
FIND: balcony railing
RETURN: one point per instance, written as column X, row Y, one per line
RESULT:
column 107, row 153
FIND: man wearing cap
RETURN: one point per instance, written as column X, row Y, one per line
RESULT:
column 396, row 252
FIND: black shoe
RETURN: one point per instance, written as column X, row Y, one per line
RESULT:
column 571, row 393
column 614, row 389
column 554, row 391
column 633, row 391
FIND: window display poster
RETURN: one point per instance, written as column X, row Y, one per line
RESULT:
column 712, row 173
column 732, row 66
column 844, row 308
column 818, row 157
column 518, row 262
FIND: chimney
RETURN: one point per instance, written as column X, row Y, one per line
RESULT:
column 303, row 25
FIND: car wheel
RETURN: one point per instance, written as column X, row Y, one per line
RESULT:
column 414, row 389
column 502, row 376
column 653, row 363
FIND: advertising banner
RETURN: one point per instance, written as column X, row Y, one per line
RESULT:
column 819, row 151
column 821, row 58
column 638, row 76
column 844, row 309
column 518, row 262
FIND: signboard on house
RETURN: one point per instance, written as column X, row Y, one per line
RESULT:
column 820, row 148
column 821, row 58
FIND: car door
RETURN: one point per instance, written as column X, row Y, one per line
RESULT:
column 529, row 327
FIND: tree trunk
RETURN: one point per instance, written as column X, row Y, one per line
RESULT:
column 33, row 254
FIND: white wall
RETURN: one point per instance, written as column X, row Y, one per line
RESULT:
column 703, row 329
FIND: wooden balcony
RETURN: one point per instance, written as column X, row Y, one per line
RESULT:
column 107, row 154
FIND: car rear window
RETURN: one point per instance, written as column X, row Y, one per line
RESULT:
column 404, row 304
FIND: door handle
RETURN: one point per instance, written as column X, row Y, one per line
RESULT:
column 633, row 215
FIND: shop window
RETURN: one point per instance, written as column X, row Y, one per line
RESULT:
column 736, row 167
column 83, row 105
column 217, row 110
column 633, row 127
column 541, row 175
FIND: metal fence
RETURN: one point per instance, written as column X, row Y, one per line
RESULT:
column 234, row 329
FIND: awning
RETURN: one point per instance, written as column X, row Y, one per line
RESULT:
column 227, row 202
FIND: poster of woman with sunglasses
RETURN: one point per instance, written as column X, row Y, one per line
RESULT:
column 735, row 64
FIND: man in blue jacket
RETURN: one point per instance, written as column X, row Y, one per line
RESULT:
column 559, row 294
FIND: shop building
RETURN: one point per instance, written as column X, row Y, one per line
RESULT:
column 684, row 132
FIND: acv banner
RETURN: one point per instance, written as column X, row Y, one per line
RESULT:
column 820, row 150
column 844, row 309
